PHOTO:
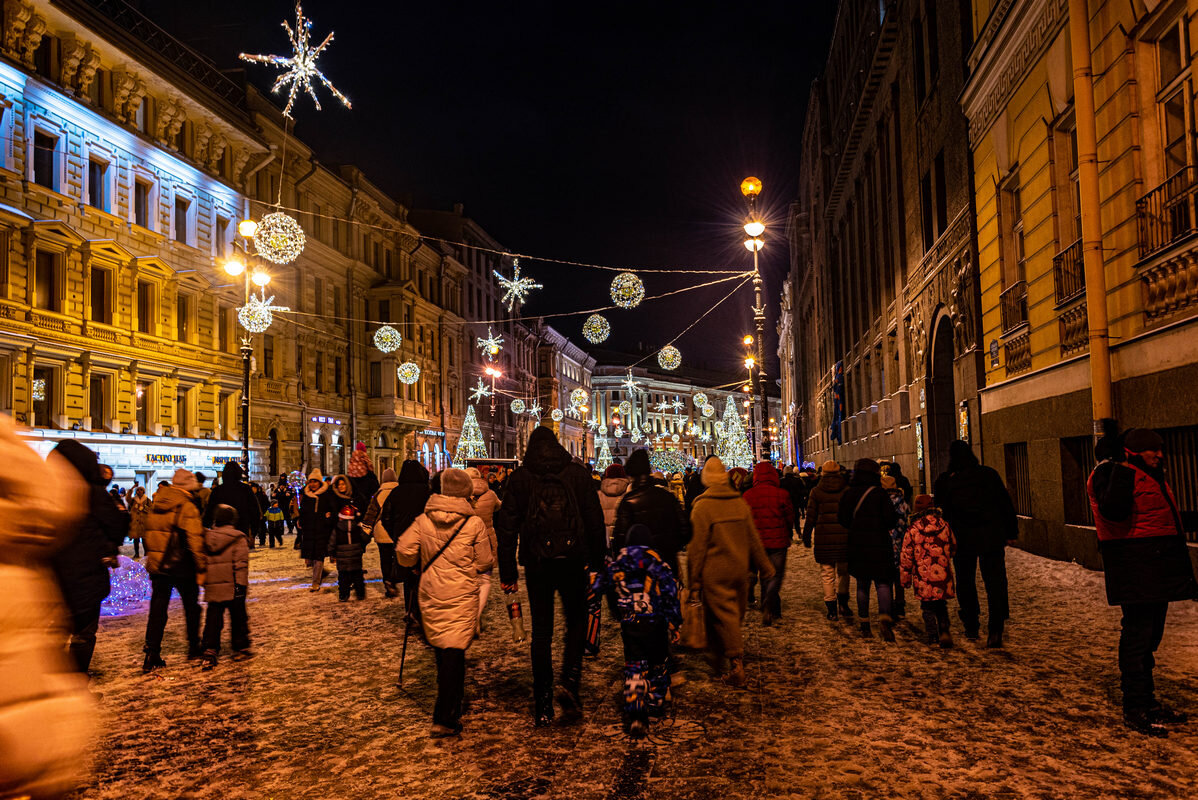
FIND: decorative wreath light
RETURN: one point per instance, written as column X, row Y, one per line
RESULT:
column 675, row 439
column 556, row 415
column 669, row 357
column 596, row 329
column 517, row 406
column 408, row 372
column 627, row 290
column 387, row 339
column 603, row 430
column 700, row 400
column 619, row 432
column 39, row 389
column 635, row 436
column 719, row 427
column 625, row 408
column 709, row 411
column 255, row 316
column 279, row 238
column 579, row 397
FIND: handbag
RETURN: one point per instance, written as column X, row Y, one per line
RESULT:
column 177, row 558
column 693, row 633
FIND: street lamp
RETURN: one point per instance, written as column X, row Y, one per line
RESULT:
column 754, row 227
column 492, row 373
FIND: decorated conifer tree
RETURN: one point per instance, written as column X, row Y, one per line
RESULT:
column 733, row 445
column 470, row 444
column 604, row 461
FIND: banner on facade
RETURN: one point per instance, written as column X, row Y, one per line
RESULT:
column 837, row 401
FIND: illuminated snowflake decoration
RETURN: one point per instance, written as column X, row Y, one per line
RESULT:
column 669, row 357
column 490, row 345
column 579, row 397
column 631, row 386
column 677, row 405
column 387, row 339
column 556, row 415
column 480, row 392
column 603, row 430
column 692, row 429
column 704, row 437
column 535, row 411
column 625, row 408
column 408, row 372
column 593, row 424
column 700, row 400
column 573, row 412
column 663, row 406
column 516, row 287
column 299, row 69
column 517, row 406
column 709, row 411
column 279, row 238
column 647, row 427
column 257, row 313
column 627, row 290
column 618, row 432
column 596, row 329
column 675, row 438
column 39, row 389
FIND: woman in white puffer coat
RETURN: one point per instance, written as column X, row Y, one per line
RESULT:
column 485, row 503
column 612, row 489
column 450, row 542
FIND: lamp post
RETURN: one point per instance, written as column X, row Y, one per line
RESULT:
column 260, row 278
column 751, row 187
column 492, row 373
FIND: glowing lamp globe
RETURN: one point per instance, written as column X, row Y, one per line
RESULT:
column 387, row 339
column 234, row 267
column 750, row 187
column 754, row 244
column 754, row 228
column 260, row 277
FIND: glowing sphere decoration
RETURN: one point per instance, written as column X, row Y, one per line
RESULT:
column 387, row 339
column 556, row 415
column 675, row 439
column 579, row 397
column 619, row 432
column 518, row 406
column 130, row 588
column 279, row 238
column 635, row 435
column 596, row 329
column 296, row 479
column 709, row 411
column 255, row 316
column 647, row 427
column 700, row 400
column 625, row 408
column 39, row 389
column 627, row 290
column 408, row 372
column 603, row 430
column 669, row 357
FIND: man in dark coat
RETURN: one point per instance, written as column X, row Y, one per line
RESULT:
column 549, row 487
column 868, row 514
column 822, row 523
column 646, row 503
column 1145, row 562
column 977, row 506
column 82, row 566
column 774, row 518
column 798, row 491
column 403, row 505
column 235, row 492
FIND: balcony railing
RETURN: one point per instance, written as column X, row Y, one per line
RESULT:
column 1014, row 306
column 1068, row 274
column 1019, row 353
column 1167, row 214
column 1075, row 330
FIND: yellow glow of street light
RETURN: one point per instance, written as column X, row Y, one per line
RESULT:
column 754, row 228
column 748, row 340
column 750, row 362
column 746, row 388
column 750, row 187
column 260, row 278
column 754, row 244
column 746, row 404
column 247, row 228
column 494, row 373
column 234, row 267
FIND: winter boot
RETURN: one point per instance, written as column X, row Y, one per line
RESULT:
column 567, row 696
column 946, row 635
column 1164, row 715
column 1140, row 721
column 842, row 601
column 831, row 604
column 390, row 589
column 884, row 626
column 543, row 716
column 209, row 662
column 639, row 729
column 994, row 637
column 767, row 618
column 931, row 624
column 736, row 675
column 153, row 661
column 866, row 633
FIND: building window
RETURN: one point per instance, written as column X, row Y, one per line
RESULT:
column 1019, row 482
column 337, row 302
column 376, row 379
column 101, row 301
column 183, row 317
column 45, row 283
column 933, row 39
column 268, row 356
column 941, row 194
column 45, row 160
column 141, row 400
column 223, row 239
column 1013, row 255
column 1181, row 454
column 44, row 397
column 319, row 371
column 1077, row 462
column 222, row 328
column 97, row 398
column 182, row 220
column 146, row 296
column 384, row 311
column 97, row 184
column 337, row 374
column 318, row 295
column 921, row 80
column 143, row 203
column 182, row 419
column 926, row 211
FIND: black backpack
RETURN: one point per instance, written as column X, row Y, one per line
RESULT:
column 552, row 524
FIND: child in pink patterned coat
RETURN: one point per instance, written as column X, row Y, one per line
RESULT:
column 926, row 563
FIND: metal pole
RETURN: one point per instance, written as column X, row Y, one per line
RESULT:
column 247, row 352
column 763, row 442
column 1092, row 257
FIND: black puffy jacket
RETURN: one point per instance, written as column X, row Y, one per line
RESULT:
column 233, row 491
column 976, row 504
column 868, row 514
column 648, row 504
column 407, row 500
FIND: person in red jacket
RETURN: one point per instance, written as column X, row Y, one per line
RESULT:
column 774, row 517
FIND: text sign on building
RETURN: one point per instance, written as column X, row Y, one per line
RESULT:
column 328, row 420
column 166, row 458
column 427, row 432
column 221, row 460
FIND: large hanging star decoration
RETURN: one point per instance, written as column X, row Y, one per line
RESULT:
column 517, row 287
column 490, row 345
column 704, row 437
column 535, row 410
column 480, row 391
column 662, row 406
column 299, row 69
column 592, row 424
column 631, row 386
column 677, row 405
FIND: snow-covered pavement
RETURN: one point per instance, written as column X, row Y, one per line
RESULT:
column 317, row 714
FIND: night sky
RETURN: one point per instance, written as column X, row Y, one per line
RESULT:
column 614, row 134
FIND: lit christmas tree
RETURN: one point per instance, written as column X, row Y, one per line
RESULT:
column 470, row 443
column 604, row 460
column 733, row 446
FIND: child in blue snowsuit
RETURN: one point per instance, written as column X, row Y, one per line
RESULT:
column 646, row 594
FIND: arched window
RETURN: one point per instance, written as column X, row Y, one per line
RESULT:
column 324, row 454
column 274, row 452
column 424, row 457
column 437, row 455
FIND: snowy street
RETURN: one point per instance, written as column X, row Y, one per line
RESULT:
column 316, row 714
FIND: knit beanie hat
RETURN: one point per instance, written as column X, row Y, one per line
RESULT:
column 316, row 475
column 638, row 464
column 830, row 467
column 388, row 475
column 714, row 473
column 866, row 465
column 183, row 479
column 1142, row 440
column 614, row 471
column 224, row 515
column 923, row 503
column 359, row 462
column 456, row 483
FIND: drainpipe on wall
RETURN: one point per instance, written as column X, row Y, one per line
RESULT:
column 1092, row 255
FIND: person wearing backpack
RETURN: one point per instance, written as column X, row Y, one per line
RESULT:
column 868, row 515
column 374, row 525
column 176, row 560
column 403, row 505
column 551, row 523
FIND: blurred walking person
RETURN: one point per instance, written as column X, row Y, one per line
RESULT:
column 869, row 516
column 774, row 518
column 404, row 504
column 821, row 525
column 374, row 525
column 485, row 503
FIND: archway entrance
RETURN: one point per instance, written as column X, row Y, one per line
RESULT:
column 941, row 422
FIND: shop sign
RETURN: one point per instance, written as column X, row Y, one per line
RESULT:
column 166, row 458
column 218, row 461
column 428, row 432
column 328, row 420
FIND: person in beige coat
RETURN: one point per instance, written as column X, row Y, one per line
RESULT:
column 724, row 547
column 46, row 713
column 485, row 503
column 451, row 544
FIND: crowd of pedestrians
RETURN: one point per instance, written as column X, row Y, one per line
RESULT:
column 579, row 538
